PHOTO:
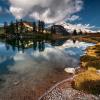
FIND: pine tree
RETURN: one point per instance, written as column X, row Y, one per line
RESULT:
column 34, row 27
column 53, row 30
column 12, row 28
column 21, row 26
column 5, row 27
column 39, row 26
column 42, row 26
column 80, row 33
column 74, row 32
column 17, row 26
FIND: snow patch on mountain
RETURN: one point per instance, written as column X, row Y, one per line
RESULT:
column 78, row 27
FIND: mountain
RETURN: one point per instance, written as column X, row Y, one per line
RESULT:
column 60, row 30
column 70, row 28
column 28, row 25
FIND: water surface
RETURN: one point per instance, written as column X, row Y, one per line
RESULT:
column 30, row 63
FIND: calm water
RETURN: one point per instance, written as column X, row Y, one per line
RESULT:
column 33, row 61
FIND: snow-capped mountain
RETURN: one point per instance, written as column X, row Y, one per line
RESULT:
column 71, row 27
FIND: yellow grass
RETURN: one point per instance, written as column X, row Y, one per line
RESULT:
column 92, row 59
column 88, row 81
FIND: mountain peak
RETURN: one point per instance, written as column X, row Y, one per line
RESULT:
column 78, row 27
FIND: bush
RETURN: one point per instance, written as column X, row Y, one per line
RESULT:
column 90, row 61
column 88, row 81
column 95, row 64
column 87, row 58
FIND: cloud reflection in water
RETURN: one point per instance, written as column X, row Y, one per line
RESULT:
column 63, row 56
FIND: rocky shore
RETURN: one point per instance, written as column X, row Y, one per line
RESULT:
column 65, row 91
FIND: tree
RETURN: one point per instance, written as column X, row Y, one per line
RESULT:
column 21, row 26
column 53, row 30
column 39, row 26
column 12, row 28
column 80, row 33
column 5, row 27
column 17, row 26
column 42, row 26
column 34, row 27
column 74, row 32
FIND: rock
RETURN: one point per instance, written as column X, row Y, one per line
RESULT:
column 16, row 83
column 70, row 70
column 98, row 71
column 68, row 94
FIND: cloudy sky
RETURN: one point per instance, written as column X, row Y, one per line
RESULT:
column 51, row 11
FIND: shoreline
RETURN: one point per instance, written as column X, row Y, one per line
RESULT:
column 42, row 88
column 71, row 79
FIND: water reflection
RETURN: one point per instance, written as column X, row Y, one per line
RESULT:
column 21, row 55
column 31, row 62
column 22, row 44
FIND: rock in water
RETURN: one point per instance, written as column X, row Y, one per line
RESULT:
column 70, row 70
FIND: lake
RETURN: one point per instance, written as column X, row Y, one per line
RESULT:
column 29, row 67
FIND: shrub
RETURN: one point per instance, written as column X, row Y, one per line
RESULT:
column 88, row 81
column 87, row 58
column 94, row 64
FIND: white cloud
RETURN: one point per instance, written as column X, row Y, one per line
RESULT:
column 18, row 12
column 73, row 18
column 48, row 10
column 87, row 26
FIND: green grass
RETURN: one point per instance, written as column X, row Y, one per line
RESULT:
column 89, row 81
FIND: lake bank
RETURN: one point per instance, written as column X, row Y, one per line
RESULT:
column 64, row 90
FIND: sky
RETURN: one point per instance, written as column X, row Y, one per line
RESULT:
column 82, row 12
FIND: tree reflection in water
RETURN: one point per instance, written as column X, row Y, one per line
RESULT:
column 22, row 44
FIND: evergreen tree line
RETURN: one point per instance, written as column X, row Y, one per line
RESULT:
column 77, row 33
column 39, row 27
column 18, row 27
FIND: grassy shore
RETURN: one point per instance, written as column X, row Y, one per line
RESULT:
column 89, row 80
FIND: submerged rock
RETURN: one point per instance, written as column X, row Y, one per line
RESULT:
column 16, row 83
column 98, row 71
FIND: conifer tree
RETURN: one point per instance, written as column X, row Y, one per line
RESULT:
column 74, row 32
column 34, row 27
column 5, row 27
